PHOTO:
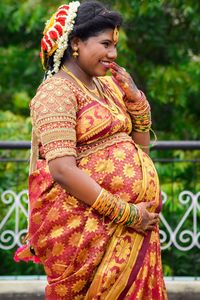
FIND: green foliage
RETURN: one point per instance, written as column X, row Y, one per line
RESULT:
column 13, row 126
column 163, row 57
column 159, row 46
column 180, row 174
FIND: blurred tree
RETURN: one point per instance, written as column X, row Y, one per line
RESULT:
column 159, row 46
column 21, row 29
column 162, row 54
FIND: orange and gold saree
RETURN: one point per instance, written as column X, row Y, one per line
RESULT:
column 84, row 255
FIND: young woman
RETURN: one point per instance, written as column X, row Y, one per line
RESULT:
column 94, row 193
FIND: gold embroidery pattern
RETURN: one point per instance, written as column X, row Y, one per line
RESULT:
column 94, row 120
column 86, row 150
column 54, row 119
column 60, row 152
column 53, row 135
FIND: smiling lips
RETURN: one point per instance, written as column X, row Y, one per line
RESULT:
column 106, row 64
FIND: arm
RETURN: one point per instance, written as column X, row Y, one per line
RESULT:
column 65, row 171
column 137, row 106
column 142, row 139
column 55, row 123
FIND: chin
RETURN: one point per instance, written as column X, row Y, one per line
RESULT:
column 102, row 72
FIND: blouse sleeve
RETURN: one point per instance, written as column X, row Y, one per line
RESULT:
column 53, row 111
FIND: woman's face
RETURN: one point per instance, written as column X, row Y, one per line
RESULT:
column 96, row 53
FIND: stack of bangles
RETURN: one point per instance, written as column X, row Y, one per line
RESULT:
column 117, row 210
column 140, row 114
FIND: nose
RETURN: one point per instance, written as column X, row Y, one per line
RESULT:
column 112, row 53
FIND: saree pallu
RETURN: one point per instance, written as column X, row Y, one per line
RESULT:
column 85, row 256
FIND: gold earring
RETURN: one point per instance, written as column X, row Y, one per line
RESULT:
column 75, row 52
column 115, row 35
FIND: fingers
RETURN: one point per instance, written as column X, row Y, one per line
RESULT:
column 115, row 66
column 150, row 228
column 149, row 220
column 119, row 75
column 120, row 78
column 144, row 230
column 150, row 204
column 154, row 216
column 117, row 69
column 154, row 221
column 140, row 231
column 125, row 81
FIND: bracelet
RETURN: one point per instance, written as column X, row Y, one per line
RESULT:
column 139, row 217
column 139, row 107
column 133, row 215
column 115, row 208
column 153, row 142
column 140, row 114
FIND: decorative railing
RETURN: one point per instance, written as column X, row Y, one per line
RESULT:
column 182, row 239
column 189, row 238
column 183, row 234
column 9, row 238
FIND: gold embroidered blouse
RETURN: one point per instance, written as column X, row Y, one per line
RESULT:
column 64, row 118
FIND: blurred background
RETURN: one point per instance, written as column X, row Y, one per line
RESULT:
column 159, row 46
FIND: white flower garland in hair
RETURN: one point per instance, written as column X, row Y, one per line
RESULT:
column 63, row 40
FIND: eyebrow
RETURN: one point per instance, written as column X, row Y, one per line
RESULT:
column 107, row 40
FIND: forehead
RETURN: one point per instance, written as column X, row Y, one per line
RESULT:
column 105, row 34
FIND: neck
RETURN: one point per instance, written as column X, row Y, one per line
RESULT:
column 80, row 73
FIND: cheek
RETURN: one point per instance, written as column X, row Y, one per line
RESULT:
column 93, row 55
column 97, row 52
column 88, row 54
column 89, row 58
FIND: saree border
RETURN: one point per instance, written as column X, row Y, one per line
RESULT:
column 136, row 267
column 142, row 252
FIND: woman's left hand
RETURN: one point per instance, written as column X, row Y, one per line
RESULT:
column 125, row 82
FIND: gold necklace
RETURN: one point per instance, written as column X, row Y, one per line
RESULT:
column 111, row 103
column 80, row 83
column 113, row 108
column 94, row 91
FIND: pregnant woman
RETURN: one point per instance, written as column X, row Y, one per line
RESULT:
column 93, row 190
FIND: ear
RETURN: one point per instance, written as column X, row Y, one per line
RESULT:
column 75, row 42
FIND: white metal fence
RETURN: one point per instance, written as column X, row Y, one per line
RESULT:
column 180, row 236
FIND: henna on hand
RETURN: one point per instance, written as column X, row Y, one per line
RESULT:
column 125, row 82
column 149, row 220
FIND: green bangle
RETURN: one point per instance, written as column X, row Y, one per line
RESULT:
column 132, row 215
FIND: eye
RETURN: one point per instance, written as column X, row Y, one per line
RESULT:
column 106, row 44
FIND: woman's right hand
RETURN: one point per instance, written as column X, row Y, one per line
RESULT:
column 126, row 82
column 148, row 219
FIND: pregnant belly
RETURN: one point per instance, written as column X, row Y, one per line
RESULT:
column 118, row 169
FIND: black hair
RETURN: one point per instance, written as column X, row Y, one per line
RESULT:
column 92, row 18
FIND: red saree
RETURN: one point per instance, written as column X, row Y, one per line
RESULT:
column 84, row 255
